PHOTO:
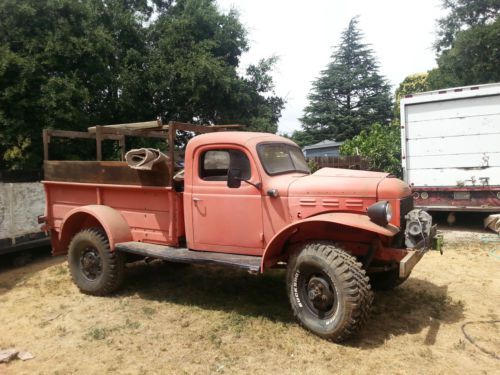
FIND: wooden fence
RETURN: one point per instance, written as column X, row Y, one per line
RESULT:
column 346, row 162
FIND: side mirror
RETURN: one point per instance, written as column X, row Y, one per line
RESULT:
column 234, row 178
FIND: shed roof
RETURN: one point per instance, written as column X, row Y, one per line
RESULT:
column 323, row 144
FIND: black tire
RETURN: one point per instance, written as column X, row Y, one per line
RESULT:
column 329, row 291
column 386, row 280
column 95, row 269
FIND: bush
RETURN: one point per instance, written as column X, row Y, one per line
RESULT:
column 380, row 145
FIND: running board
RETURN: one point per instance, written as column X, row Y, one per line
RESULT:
column 184, row 255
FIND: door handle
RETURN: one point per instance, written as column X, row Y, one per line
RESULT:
column 196, row 199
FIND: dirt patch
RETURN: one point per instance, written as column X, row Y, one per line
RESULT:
column 189, row 319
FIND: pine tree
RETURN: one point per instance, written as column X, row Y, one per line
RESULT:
column 350, row 95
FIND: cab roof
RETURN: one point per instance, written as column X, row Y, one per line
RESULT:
column 239, row 138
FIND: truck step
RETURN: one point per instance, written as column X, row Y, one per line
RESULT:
column 184, row 255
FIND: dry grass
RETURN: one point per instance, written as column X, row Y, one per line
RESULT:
column 189, row 319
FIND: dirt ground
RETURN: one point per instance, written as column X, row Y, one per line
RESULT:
column 174, row 320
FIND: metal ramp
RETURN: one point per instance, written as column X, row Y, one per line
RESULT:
column 184, row 255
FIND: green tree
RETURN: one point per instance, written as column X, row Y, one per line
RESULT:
column 411, row 84
column 463, row 14
column 473, row 59
column 468, row 45
column 63, row 68
column 350, row 94
column 78, row 63
column 302, row 138
column 196, row 51
column 380, row 145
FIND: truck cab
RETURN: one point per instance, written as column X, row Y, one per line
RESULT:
column 246, row 200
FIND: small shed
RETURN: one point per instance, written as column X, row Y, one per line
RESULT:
column 323, row 148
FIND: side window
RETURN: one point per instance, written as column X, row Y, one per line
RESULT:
column 214, row 164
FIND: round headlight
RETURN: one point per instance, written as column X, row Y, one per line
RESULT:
column 380, row 213
column 424, row 195
column 388, row 212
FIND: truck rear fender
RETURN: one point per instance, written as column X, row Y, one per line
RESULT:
column 105, row 217
column 341, row 226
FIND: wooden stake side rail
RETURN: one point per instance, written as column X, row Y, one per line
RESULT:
column 48, row 134
column 148, row 129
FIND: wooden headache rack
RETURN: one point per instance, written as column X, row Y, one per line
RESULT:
column 118, row 132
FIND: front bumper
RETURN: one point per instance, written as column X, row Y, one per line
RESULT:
column 433, row 242
column 408, row 262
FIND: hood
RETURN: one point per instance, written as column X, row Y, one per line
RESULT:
column 337, row 182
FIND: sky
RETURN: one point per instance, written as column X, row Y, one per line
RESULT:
column 303, row 34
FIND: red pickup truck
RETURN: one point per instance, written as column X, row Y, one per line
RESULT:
column 247, row 200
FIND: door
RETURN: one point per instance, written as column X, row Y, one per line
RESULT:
column 226, row 219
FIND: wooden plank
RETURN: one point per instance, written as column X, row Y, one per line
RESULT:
column 171, row 169
column 171, row 150
column 409, row 261
column 132, row 125
column 75, row 134
column 46, row 140
column 184, row 255
column 98, row 143
column 69, row 134
column 105, row 172
column 134, row 132
column 122, row 147
column 201, row 128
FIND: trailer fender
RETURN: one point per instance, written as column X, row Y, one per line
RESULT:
column 109, row 219
column 357, row 221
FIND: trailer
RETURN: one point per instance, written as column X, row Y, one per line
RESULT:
column 22, row 199
column 451, row 148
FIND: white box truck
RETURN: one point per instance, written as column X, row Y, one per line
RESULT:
column 450, row 143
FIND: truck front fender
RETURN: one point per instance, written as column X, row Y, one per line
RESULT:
column 359, row 222
column 109, row 219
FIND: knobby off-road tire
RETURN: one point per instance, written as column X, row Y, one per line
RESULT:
column 95, row 269
column 329, row 291
column 387, row 280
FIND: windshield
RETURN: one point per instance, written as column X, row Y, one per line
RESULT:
column 277, row 158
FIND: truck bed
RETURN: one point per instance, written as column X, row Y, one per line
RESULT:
column 153, row 210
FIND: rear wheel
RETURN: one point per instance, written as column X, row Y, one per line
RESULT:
column 328, row 290
column 95, row 269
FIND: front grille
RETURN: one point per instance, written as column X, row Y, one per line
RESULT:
column 405, row 206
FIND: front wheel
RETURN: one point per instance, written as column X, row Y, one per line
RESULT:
column 95, row 269
column 328, row 290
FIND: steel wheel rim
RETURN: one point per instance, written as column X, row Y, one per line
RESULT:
column 91, row 263
column 317, row 292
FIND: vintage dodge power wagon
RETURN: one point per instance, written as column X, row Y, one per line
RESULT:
column 247, row 200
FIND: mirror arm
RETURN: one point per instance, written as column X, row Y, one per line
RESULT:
column 258, row 185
